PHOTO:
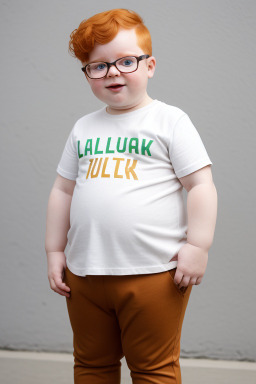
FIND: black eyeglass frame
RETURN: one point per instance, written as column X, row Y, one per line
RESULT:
column 142, row 57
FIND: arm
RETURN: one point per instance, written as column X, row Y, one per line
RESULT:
column 202, row 215
column 57, row 226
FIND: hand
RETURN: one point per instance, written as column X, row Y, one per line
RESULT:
column 56, row 270
column 192, row 262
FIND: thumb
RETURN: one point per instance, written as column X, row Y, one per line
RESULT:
column 59, row 283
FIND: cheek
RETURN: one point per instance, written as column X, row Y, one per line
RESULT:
column 96, row 87
column 138, row 80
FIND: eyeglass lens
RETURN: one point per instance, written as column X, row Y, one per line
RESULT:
column 126, row 64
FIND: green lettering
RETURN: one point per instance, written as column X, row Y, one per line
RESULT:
column 78, row 150
column 118, row 145
column 146, row 148
column 108, row 145
column 88, row 147
column 135, row 146
column 96, row 146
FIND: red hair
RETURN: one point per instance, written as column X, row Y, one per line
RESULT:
column 103, row 27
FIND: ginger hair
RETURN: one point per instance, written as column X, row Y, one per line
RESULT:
column 103, row 27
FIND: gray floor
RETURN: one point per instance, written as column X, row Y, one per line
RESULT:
column 44, row 368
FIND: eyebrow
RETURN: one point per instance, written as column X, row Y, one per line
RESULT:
column 119, row 56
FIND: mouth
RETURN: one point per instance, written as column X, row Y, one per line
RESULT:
column 115, row 86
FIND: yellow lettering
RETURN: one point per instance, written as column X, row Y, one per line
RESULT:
column 95, row 165
column 118, row 159
column 131, row 169
column 103, row 174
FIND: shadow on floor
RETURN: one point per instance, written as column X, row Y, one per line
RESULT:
column 40, row 368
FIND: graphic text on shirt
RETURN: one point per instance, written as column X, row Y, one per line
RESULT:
column 133, row 145
column 97, row 169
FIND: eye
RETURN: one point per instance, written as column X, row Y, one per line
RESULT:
column 97, row 66
column 127, row 62
column 100, row 66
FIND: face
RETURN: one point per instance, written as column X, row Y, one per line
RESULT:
column 133, row 94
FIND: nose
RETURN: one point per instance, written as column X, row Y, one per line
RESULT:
column 113, row 71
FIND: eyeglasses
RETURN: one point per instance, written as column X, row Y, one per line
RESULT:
column 100, row 69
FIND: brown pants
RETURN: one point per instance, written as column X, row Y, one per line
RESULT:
column 136, row 316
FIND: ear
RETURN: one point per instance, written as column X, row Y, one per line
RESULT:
column 85, row 75
column 151, row 65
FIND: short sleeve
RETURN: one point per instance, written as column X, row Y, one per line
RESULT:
column 68, row 165
column 186, row 149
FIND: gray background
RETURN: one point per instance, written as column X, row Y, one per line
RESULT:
column 205, row 52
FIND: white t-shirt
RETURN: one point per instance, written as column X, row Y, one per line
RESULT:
column 127, row 213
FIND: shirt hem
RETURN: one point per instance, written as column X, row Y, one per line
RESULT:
column 192, row 168
column 65, row 174
column 121, row 271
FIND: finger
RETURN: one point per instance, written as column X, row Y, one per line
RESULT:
column 184, row 282
column 56, row 289
column 178, row 277
column 52, row 283
column 61, row 285
column 198, row 281
column 62, row 293
column 193, row 280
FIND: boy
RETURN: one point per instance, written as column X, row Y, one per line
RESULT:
column 132, row 257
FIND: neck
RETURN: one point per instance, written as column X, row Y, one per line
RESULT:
column 115, row 111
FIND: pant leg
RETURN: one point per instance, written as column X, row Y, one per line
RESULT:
column 150, row 309
column 96, row 333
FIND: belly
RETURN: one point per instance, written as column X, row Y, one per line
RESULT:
column 124, row 208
